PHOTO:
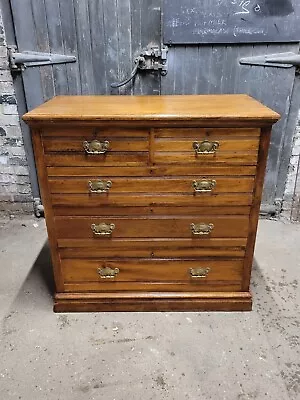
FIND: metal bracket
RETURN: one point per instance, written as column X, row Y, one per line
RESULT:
column 279, row 60
column 19, row 61
column 153, row 58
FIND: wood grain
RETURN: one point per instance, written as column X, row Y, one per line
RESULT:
column 157, row 301
column 186, row 200
column 155, row 170
column 152, row 165
column 149, row 108
column 153, row 185
column 254, row 214
column 146, row 227
column 148, row 250
column 144, row 270
column 43, row 181
column 157, row 210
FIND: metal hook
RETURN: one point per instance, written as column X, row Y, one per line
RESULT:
column 138, row 63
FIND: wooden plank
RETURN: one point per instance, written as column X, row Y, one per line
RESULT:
column 151, row 34
column 151, row 227
column 136, row 41
column 110, row 20
column 85, row 57
column 216, row 74
column 69, row 37
column 98, row 38
column 216, row 200
column 43, row 45
column 153, row 185
column 179, row 76
column 191, row 71
column 27, row 40
column 124, row 44
column 56, row 45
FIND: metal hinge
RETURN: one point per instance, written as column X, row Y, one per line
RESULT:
column 19, row 61
column 153, row 58
column 279, row 60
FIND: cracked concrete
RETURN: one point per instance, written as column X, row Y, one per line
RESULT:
column 228, row 356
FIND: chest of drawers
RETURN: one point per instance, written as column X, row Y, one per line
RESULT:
column 151, row 202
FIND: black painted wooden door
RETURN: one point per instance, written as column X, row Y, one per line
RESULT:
column 106, row 35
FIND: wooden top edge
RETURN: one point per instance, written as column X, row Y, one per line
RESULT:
column 196, row 108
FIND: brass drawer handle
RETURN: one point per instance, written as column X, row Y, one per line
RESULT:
column 108, row 272
column 201, row 229
column 199, row 272
column 102, row 229
column 204, row 186
column 99, row 186
column 205, row 147
column 96, row 147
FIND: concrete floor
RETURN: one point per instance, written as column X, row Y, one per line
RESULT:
column 228, row 356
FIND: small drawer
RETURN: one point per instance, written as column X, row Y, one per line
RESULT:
column 95, row 147
column 196, row 227
column 108, row 273
column 196, row 145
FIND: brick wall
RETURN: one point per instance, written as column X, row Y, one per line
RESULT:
column 15, row 190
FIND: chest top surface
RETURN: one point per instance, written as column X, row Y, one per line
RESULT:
column 175, row 108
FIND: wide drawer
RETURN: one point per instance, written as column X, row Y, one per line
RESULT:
column 197, row 185
column 88, row 147
column 133, row 210
column 152, row 248
column 152, row 200
column 109, row 272
column 199, row 145
column 107, row 228
column 153, row 170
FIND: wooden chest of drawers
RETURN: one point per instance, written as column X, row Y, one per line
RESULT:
column 151, row 202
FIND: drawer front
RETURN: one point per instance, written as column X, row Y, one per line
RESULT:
column 153, row 200
column 110, row 272
column 152, row 248
column 148, row 211
column 197, row 227
column 197, row 185
column 87, row 147
column 155, row 170
column 193, row 145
